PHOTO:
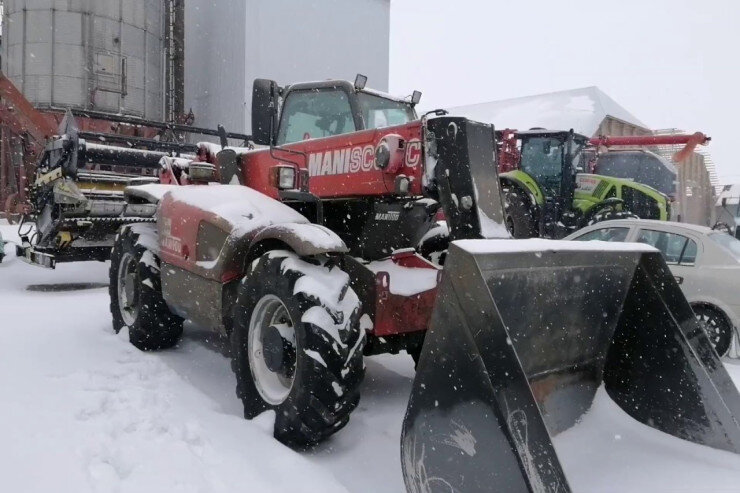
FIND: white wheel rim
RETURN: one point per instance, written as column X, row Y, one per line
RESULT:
column 273, row 387
column 127, row 305
column 709, row 324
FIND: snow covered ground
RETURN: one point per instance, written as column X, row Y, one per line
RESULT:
column 84, row 411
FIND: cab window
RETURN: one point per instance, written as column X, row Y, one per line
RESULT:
column 314, row 114
column 379, row 112
column 605, row 234
column 677, row 249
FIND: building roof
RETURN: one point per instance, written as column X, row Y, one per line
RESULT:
column 731, row 193
column 583, row 110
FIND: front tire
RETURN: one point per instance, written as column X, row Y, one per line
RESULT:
column 297, row 346
column 519, row 219
column 716, row 326
column 136, row 298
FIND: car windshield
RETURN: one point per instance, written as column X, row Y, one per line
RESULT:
column 379, row 112
column 728, row 243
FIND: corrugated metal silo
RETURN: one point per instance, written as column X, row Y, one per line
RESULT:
column 103, row 55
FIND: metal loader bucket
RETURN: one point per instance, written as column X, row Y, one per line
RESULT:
column 521, row 340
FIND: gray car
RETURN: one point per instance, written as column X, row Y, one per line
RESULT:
column 705, row 262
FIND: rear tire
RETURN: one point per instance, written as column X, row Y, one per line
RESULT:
column 611, row 214
column 435, row 243
column 314, row 383
column 716, row 326
column 136, row 298
column 519, row 219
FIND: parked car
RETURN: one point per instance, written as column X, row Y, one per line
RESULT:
column 705, row 262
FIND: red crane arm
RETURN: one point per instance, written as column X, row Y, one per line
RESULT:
column 690, row 142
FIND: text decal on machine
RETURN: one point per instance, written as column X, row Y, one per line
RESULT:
column 355, row 159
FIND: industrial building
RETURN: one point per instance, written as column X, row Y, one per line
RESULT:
column 229, row 43
column 591, row 112
column 728, row 208
column 147, row 69
column 193, row 62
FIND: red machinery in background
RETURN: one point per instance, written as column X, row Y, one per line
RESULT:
column 26, row 130
column 509, row 154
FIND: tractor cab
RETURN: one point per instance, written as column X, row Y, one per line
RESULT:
column 552, row 159
column 323, row 109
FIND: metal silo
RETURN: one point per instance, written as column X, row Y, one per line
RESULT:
column 101, row 55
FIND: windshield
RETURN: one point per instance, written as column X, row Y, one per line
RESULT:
column 728, row 242
column 315, row 114
column 542, row 159
column 379, row 112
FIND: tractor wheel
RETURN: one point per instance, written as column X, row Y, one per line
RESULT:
column 715, row 324
column 610, row 214
column 136, row 298
column 519, row 220
column 297, row 346
column 433, row 246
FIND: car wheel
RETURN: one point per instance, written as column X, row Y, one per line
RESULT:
column 715, row 324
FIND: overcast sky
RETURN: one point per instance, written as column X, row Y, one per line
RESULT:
column 671, row 63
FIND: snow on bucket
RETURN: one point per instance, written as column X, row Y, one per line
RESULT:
column 524, row 333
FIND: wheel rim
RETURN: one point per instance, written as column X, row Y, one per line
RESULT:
column 272, row 386
column 715, row 332
column 128, row 289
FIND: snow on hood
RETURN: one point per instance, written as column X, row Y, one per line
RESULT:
column 542, row 245
column 214, row 148
column 153, row 192
column 240, row 206
column 405, row 281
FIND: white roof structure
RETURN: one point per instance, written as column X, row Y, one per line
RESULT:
column 731, row 193
column 583, row 110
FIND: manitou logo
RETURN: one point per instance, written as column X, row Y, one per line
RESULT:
column 341, row 161
column 355, row 159
column 387, row 216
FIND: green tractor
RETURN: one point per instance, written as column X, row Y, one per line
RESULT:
column 549, row 194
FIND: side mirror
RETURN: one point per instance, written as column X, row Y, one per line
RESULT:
column 415, row 97
column 264, row 111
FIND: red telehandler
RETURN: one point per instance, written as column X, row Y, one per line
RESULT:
column 301, row 250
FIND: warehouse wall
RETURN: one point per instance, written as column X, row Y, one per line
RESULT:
column 215, row 57
column 696, row 196
column 228, row 46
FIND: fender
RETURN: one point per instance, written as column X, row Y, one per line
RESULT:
column 305, row 239
column 148, row 237
column 526, row 183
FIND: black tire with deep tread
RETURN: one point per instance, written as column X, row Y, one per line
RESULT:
column 434, row 247
column 609, row 215
column 314, row 409
column 519, row 218
column 155, row 327
column 717, row 327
